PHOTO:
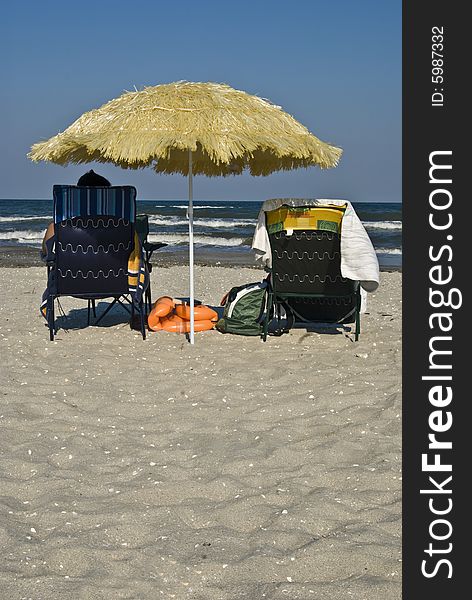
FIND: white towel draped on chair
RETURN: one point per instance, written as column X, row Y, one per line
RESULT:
column 358, row 258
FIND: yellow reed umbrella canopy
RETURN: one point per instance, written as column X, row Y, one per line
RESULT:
column 226, row 129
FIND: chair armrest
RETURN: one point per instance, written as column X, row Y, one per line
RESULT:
column 150, row 247
column 48, row 258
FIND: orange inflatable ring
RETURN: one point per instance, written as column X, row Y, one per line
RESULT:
column 201, row 312
column 154, row 323
column 176, row 324
column 163, row 306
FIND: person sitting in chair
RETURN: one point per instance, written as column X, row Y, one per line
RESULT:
column 89, row 179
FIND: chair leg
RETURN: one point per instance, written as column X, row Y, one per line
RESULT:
column 141, row 316
column 88, row 311
column 358, row 318
column 267, row 317
column 149, row 270
column 94, row 309
column 148, row 298
column 51, row 318
column 132, row 313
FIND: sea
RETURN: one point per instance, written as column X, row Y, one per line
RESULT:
column 221, row 228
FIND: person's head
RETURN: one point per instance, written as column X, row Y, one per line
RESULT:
column 92, row 179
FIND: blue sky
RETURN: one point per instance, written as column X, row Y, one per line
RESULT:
column 335, row 66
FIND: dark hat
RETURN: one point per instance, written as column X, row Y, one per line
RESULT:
column 92, row 179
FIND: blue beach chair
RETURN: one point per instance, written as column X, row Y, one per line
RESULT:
column 96, row 252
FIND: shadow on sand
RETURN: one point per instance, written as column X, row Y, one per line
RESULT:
column 77, row 318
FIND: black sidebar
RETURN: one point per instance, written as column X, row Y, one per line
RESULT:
column 437, row 350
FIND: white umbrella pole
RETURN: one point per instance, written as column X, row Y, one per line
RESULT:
column 190, row 237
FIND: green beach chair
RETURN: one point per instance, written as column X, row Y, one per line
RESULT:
column 306, row 267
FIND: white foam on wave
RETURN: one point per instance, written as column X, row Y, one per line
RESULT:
column 212, row 223
column 14, row 219
column 382, row 224
column 21, row 235
column 185, row 206
column 388, row 250
column 205, row 206
column 175, row 239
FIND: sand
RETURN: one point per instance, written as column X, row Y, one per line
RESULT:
column 232, row 469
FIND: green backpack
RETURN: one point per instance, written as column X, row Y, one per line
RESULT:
column 244, row 309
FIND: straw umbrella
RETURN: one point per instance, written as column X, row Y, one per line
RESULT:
column 193, row 129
